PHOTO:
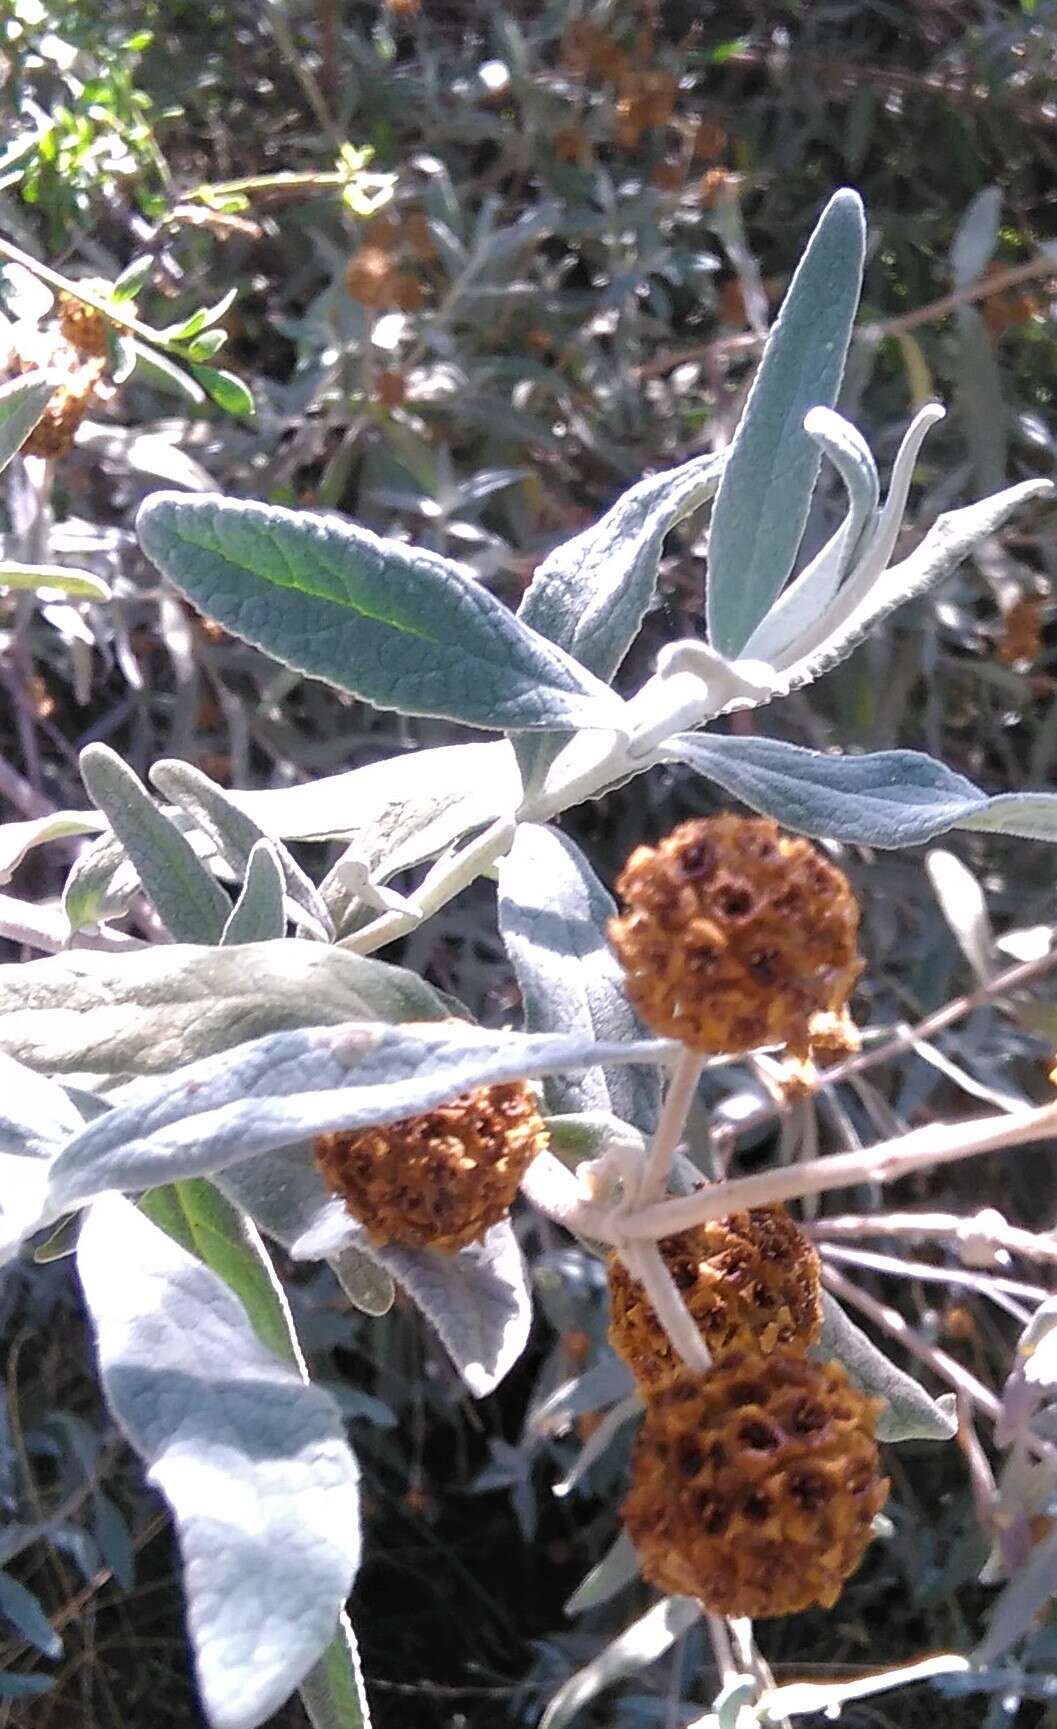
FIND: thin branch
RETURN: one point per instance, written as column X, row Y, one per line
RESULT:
column 644, row 1262
column 989, row 1227
column 679, row 1096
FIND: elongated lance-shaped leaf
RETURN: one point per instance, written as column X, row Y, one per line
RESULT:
column 639, row 1645
column 403, row 628
column 909, row 1414
column 889, row 798
column 252, row 1461
column 553, row 913
column 77, row 584
column 591, row 594
column 806, row 597
column 765, row 493
column 219, row 1233
column 235, row 834
column 100, row 884
column 292, row 1086
column 22, row 402
column 858, row 608
column 186, row 896
column 154, row 1010
column 258, row 915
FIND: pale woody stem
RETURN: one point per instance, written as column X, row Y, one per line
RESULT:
column 680, row 1094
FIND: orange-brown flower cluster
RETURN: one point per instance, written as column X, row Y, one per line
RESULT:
column 1021, row 640
column 82, row 327
column 735, row 935
column 438, row 1180
column 374, row 276
column 750, row 1281
column 754, row 1487
column 78, row 380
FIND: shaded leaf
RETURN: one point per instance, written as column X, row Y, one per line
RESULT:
column 976, row 236
column 19, row 838
column 22, row 402
column 980, row 400
column 26, row 1615
column 911, row 1415
column 400, row 627
column 637, row 1647
column 252, row 1461
column 553, row 913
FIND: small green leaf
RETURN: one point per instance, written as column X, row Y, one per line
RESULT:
column 225, row 389
column 258, row 915
column 133, row 278
column 205, row 346
column 198, row 320
column 77, row 584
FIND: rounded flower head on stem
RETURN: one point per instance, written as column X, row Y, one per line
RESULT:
column 754, row 1488
column 438, row 1180
column 750, row 1282
column 735, row 935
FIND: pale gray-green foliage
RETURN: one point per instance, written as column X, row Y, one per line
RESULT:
column 403, row 628
column 553, row 913
column 909, row 1414
column 252, row 1461
column 154, row 1010
column 259, row 914
column 291, row 1086
column 235, row 834
column 764, row 495
column 186, row 896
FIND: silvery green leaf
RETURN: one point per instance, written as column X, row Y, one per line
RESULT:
column 293, row 1086
column 59, row 578
column 606, row 1382
column 252, row 1461
column 402, row 628
column 617, row 1568
column 22, row 402
column 100, row 884
column 186, row 896
column 19, row 838
column 155, row 1009
column 765, row 492
column 235, row 834
column 980, row 401
column 477, row 1300
column 591, row 594
column 1018, row 1606
column 910, row 1414
column 811, row 592
column 259, row 914
column 637, row 1647
column 553, row 913
column 856, row 611
column 872, row 555
column 976, row 236
column 36, row 1115
column 887, row 798
column 396, row 812
column 963, row 904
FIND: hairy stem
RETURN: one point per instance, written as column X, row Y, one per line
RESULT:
column 678, row 1098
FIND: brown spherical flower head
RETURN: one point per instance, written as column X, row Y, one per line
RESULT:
column 754, row 1488
column 438, row 1180
column 735, row 935
column 750, row 1281
column 82, row 326
column 54, row 432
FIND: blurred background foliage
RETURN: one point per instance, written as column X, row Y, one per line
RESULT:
column 547, row 269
